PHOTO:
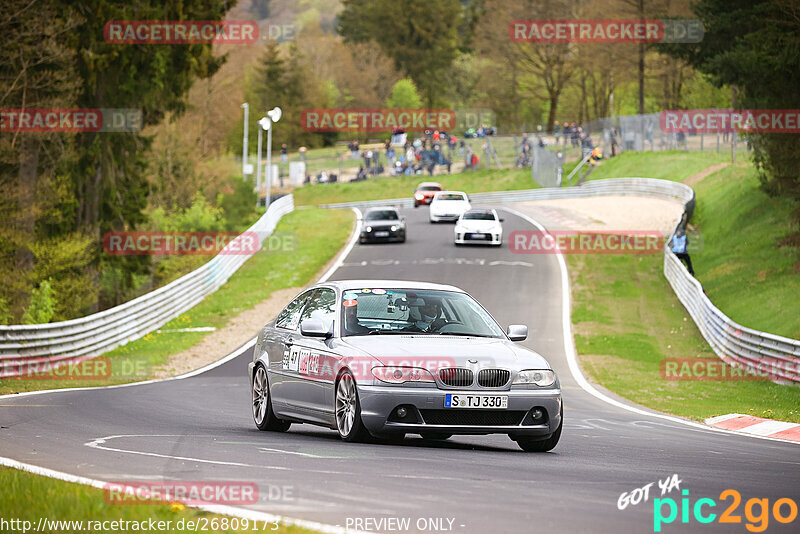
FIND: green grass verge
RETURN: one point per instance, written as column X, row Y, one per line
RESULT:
column 316, row 235
column 626, row 320
column 746, row 273
column 672, row 165
column 404, row 186
column 28, row 497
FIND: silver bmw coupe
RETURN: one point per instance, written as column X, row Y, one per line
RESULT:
column 383, row 358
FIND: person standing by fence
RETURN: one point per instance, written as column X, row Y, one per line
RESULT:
column 680, row 246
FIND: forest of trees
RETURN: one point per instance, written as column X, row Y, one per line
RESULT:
column 61, row 192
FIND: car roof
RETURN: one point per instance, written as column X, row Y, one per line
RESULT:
column 451, row 192
column 389, row 284
column 437, row 184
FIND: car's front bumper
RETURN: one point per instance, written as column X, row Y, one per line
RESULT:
column 370, row 237
column 463, row 238
column 378, row 403
column 445, row 217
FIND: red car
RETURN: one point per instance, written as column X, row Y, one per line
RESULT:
column 424, row 193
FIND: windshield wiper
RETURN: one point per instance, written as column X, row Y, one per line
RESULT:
column 464, row 334
column 397, row 332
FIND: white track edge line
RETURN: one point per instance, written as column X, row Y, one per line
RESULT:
column 572, row 355
column 220, row 509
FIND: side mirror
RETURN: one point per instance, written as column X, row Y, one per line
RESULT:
column 516, row 332
column 501, row 219
column 314, row 328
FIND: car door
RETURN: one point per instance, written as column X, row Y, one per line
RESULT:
column 278, row 342
column 315, row 360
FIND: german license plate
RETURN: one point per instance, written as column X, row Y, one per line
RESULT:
column 381, row 234
column 478, row 236
column 470, row 400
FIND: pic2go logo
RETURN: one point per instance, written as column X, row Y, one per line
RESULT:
column 783, row 511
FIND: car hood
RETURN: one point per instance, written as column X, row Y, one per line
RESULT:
column 383, row 222
column 478, row 224
column 435, row 352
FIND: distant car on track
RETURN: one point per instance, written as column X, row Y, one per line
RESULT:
column 381, row 358
column 424, row 193
column 383, row 224
column 479, row 226
column 448, row 206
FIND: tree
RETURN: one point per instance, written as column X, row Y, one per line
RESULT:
column 543, row 69
column 422, row 38
column 404, row 95
column 754, row 46
column 36, row 71
column 74, row 187
column 42, row 305
column 110, row 173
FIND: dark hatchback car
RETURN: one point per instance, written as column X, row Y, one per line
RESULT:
column 383, row 224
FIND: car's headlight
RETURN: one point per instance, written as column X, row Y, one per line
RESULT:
column 539, row 377
column 419, row 196
column 368, row 228
column 394, row 228
column 394, row 374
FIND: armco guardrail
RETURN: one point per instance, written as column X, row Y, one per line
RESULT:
column 733, row 343
column 90, row 336
column 776, row 356
column 616, row 186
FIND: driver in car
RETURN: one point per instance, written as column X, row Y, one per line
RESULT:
column 430, row 318
column 351, row 324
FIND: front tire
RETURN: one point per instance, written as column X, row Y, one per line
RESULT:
column 347, row 409
column 263, row 415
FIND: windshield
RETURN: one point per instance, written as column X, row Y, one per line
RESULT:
column 450, row 196
column 479, row 215
column 430, row 188
column 382, row 215
column 415, row 312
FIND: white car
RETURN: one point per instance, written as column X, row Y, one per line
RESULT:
column 479, row 226
column 448, row 206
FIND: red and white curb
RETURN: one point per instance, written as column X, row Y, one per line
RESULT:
column 756, row 426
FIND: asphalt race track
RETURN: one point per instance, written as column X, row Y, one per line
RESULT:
column 201, row 428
